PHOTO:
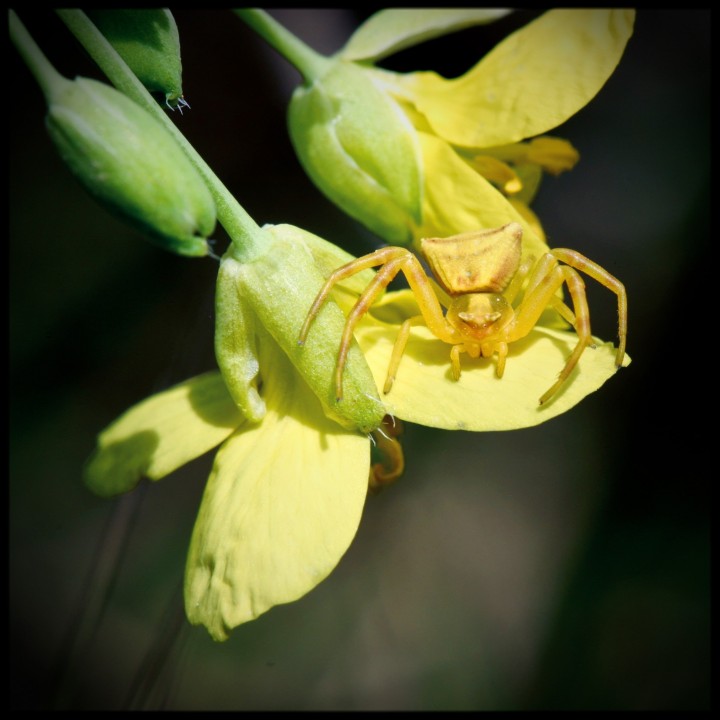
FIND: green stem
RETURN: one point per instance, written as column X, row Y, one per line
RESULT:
column 310, row 63
column 46, row 75
column 244, row 232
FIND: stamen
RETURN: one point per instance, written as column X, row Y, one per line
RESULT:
column 497, row 172
column 552, row 154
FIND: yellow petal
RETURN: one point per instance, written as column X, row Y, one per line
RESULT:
column 531, row 82
column 425, row 393
column 162, row 433
column 281, row 507
column 458, row 200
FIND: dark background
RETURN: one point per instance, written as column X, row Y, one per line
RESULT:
column 564, row 566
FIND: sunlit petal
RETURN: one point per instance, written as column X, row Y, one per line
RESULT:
column 161, row 433
column 425, row 393
column 282, row 505
column 531, row 82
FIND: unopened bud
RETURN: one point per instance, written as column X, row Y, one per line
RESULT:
column 276, row 289
column 148, row 41
column 131, row 163
column 359, row 148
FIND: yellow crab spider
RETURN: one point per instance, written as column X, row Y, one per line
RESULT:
column 482, row 274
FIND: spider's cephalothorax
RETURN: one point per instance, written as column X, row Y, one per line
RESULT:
column 481, row 274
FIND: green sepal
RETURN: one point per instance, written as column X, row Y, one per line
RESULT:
column 129, row 161
column 360, row 149
column 280, row 285
column 235, row 343
column 148, row 41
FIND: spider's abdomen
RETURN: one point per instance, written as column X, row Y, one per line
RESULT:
column 484, row 261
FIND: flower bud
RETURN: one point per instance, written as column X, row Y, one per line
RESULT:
column 148, row 41
column 359, row 148
column 126, row 158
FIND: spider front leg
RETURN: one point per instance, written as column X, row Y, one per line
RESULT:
column 426, row 296
column 398, row 350
column 393, row 260
column 382, row 279
column 547, row 277
column 379, row 257
column 599, row 273
column 388, row 257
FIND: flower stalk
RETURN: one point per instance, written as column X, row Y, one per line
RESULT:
column 44, row 73
column 307, row 61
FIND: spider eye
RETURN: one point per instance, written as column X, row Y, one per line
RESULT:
column 479, row 315
column 479, row 322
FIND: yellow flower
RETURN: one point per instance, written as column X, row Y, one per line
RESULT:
column 425, row 393
column 294, row 462
column 289, row 480
column 415, row 155
column 290, row 477
column 473, row 129
column 482, row 152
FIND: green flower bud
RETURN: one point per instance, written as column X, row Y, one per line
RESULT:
column 275, row 289
column 148, row 41
column 127, row 159
column 360, row 149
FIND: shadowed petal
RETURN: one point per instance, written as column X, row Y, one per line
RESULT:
column 162, row 433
